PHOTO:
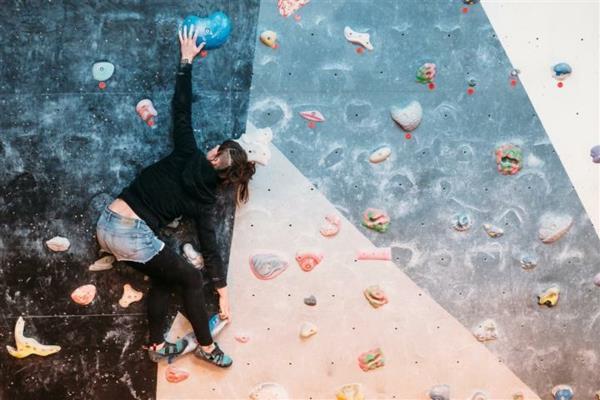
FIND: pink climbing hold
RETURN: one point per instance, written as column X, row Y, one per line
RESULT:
column 176, row 375
column 560, row 84
column 371, row 360
column 146, row 111
column 308, row 260
column 383, row 253
column 288, row 7
column 332, row 226
column 313, row 116
column 84, row 295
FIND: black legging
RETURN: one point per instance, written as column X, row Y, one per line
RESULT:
column 168, row 270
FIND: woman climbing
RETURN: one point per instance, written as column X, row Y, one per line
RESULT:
column 182, row 184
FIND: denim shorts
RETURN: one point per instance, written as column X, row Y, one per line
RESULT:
column 128, row 239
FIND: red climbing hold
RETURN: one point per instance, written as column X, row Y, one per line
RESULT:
column 102, row 85
column 513, row 82
column 203, row 53
column 465, row 10
column 360, row 50
column 470, row 91
column 312, row 124
column 408, row 136
column 431, row 86
column 559, row 84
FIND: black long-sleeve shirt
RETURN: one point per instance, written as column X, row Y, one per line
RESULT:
column 183, row 183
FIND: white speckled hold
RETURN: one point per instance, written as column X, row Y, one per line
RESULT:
column 102, row 264
column 380, row 154
column 409, row 117
column 553, row 227
column 363, row 39
column 486, row 331
column 58, row 243
column 269, row 391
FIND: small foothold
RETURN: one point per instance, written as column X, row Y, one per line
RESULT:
column 242, row 338
column 382, row 253
column 310, row 301
column 203, row 53
column 27, row 346
column 509, row 158
column 313, row 116
column 102, row 71
column 102, row 85
column 331, row 226
column 380, row 154
column 595, row 153
column 528, row 262
column 375, row 296
column 192, row 256
column 486, row 331
column 461, row 222
column 58, row 243
column 549, row 297
column 440, row 392
column 431, row 85
column 371, row 360
column 102, row 264
column 561, row 71
column 351, row 391
column 175, row 375
column 269, row 391
column 269, row 39
column 130, row 295
column 597, row 283
column 470, row 91
column 376, row 220
column 493, row 231
column 426, row 73
column 268, row 265
column 146, row 111
column 362, row 39
column 84, row 295
column 408, row 136
column 553, row 227
column 562, row 392
column 308, row 260
column 307, row 330
column 409, row 117
column 288, row 7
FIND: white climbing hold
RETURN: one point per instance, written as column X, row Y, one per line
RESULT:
column 331, row 226
column 307, row 330
column 84, row 295
column 102, row 264
column 58, row 243
column 27, row 346
column 553, row 227
column 380, row 154
column 269, row 391
column 102, row 70
column 256, row 143
column 408, row 117
column 486, row 331
column 130, row 295
column 193, row 256
column 360, row 38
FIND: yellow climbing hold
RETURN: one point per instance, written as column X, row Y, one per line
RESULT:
column 351, row 391
column 27, row 346
column 549, row 297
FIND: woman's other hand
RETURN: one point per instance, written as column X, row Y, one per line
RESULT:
column 187, row 39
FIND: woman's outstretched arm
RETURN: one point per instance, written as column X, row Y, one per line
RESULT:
column 183, row 134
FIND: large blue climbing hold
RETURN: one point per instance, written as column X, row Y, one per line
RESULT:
column 214, row 30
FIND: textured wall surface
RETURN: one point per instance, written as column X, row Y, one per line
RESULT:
column 447, row 167
column 67, row 148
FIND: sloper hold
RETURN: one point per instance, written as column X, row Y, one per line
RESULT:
column 102, row 70
column 561, row 71
column 102, row 264
column 409, row 117
column 27, row 346
column 595, row 153
column 58, row 243
column 371, row 360
column 269, row 391
column 84, row 295
column 440, row 392
column 553, row 227
column 363, row 39
column 350, row 391
column 268, row 265
column 130, row 295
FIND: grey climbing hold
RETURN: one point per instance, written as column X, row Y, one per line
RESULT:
column 528, row 262
column 553, row 227
column 493, row 231
column 595, row 153
column 310, row 300
column 102, row 70
column 461, row 222
column 408, row 117
column 440, row 392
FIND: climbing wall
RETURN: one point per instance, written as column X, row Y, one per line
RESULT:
column 67, row 147
column 443, row 168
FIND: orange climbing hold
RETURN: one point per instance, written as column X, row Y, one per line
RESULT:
column 84, row 295
column 371, row 359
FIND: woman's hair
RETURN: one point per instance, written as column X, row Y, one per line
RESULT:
column 239, row 172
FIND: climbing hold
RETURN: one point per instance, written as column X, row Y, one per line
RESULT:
column 268, row 265
column 597, row 281
column 382, row 253
column 470, row 91
column 375, row 296
column 130, row 295
column 408, row 117
column 102, row 264
column 549, row 297
column 84, row 295
column 472, row 82
column 595, row 153
column 461, row 222
column 380, row 154
column 362, row 39
column 562, row 392
column 313, row 116
column 479, row 396
column 175, row 375
column 102, row 70
column 58, row 243
column 553, row 227
column 509, row 158
column 440, row 392
column 146, row 111
column 269, row 38
column 561, row 71
column 351, row 391
column 331, row 226
column 213, row 30
column 426, row 73
column 308, row 260
column 598, row 395
column 310, row 300
column 376, row 220
column 269, row 391
column 515, row 72
column 528, row 262
column 242, row 338
column 256, row 142
column 371, row 360
column 27, row 346
column 192, row 256
column 470, row 2
column 288, row 7
column 307, row 330
column 493, row 231
column 486, row 331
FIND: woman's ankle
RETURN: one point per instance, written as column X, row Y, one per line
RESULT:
column 208, row 348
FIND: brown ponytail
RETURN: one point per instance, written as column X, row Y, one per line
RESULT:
column 240, row 172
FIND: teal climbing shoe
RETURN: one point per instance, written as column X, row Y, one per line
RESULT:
column 216, row 357
column 168, row 351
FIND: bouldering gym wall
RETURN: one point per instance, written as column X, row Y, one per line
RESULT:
column 423, row 223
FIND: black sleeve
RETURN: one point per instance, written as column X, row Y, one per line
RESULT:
column 205, row 226
column 183, row 134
